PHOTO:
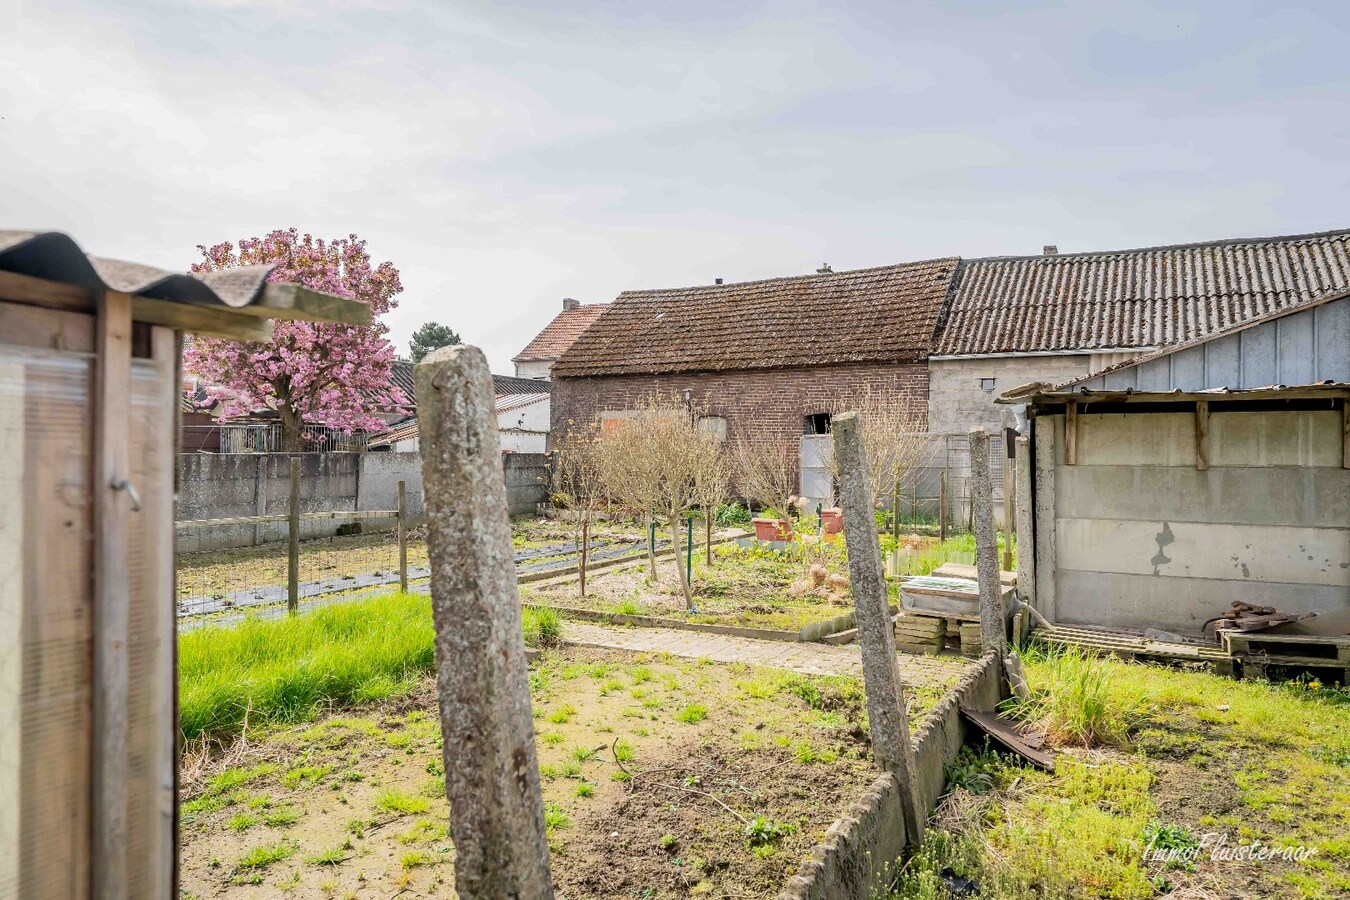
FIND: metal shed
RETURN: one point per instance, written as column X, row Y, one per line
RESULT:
column 89, row 404
column 1163, row 489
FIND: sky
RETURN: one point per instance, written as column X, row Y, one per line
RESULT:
column 504, row 155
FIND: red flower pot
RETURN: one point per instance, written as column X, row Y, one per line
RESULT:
column 773, row 529
column 832, row 520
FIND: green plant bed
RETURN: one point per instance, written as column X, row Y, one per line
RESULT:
column 1179, row 762
column 745, row 587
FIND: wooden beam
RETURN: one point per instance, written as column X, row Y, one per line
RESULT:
column 112, row 494
column 1201, row 435
column 294, row 301
column 208, row 321
column 41, row 292
column 1070, row 433
column 1345, row 432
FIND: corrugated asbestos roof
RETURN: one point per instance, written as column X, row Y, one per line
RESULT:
column 561, row 333
column 506, row 402
column 401, row 373
column 1136, row 298
column 228, row 303
column 867, row 315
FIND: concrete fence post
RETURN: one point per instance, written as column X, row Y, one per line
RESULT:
column 992, row 633
column 886, row 711
column 403, row 535
column 293, row 541
column 491, row 771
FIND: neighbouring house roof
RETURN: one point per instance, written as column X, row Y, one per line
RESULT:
column 867, row 315
column 1142, row 299
column 506, row 402
column 401, row 373
column 561, row 333
column 232, row 303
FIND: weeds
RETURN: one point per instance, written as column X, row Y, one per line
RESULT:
column 1072, row 701
column 543, row 626
column 693, row 713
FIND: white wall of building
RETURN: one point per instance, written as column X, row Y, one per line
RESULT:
column 534, row 368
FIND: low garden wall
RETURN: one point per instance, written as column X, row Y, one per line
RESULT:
column 857, row 858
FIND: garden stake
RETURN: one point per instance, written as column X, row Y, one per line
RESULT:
column 482, row 686
column 689, row 549
column 886, row 709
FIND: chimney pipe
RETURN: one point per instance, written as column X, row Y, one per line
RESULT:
column 717, row 281
column 1049, row 250
column 569, row 303
column 824, row 269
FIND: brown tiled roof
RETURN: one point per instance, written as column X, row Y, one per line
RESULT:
column 867, row 315
column 1136, row 298
column 560, row 334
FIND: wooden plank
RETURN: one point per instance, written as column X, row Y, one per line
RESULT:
column 46, row 329
column 961, row 570
column 210, row 321
column 1070, row 433
column 112, row 596
column 40, row 292
column 1201, row 435
column 294, row 301
column 1009, row 734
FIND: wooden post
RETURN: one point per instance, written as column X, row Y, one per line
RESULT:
column 113, row 501
column 585, row 545
column 293, row 539
column 1201, row 435
column 491, row 770
column 992, row 633
column 886, row 709
column 1026, row 555
column 942, row 506
column 895, row 512
column 707, row 539
column 1008, row 525
column 1071, row 433
column 403, row 536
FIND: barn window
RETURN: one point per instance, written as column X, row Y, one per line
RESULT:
column 987, row 385
column 818, row 423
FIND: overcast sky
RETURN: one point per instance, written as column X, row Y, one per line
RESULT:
column 504, row 155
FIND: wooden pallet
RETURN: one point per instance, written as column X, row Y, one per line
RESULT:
column 1134, row 646
column 1328, row 655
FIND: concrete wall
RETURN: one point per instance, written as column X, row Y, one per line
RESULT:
column 957, row 403
column 1140, row 538
column 856, row 861
column 221, row 486
column 534, row 368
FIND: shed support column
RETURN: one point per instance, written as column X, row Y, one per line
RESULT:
column 993, row 634
column 1201, row 435
column 491, row 771
column 886, row 711
column 1026, row 534
column 1043, row 512
column 113, row 494
column 1070, row 433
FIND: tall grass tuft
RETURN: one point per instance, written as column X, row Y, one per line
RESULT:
column 543, row 626
column 285, row 670
column 1072, row 700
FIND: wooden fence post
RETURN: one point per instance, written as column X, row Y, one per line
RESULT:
column 403, row 536
column 942, row 506
column 293, row 550
column 487, row 729
column 1009, row 526
column 886, row 710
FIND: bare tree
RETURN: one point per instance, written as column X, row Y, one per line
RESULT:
column 713, row 489
column 766, row 475
column 579, row 488
column 895, row 438
column 658, row 460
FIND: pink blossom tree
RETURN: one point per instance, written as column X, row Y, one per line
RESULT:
column 310, row 372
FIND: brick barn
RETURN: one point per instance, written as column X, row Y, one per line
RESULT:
column 770, row 359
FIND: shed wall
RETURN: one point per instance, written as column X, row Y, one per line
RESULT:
column 1143, row 539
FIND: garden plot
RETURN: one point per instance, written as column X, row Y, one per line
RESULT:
column 661, row 777
column 750, row 587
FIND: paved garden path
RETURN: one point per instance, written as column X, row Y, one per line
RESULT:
column 809, row 658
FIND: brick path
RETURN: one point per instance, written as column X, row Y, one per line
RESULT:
column 809, row 658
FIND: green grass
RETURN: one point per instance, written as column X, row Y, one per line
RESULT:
column 1187, row 746
column 401, row 804
column 281, row 671
column 286, row 670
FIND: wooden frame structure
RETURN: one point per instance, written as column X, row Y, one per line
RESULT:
column 89, row 383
